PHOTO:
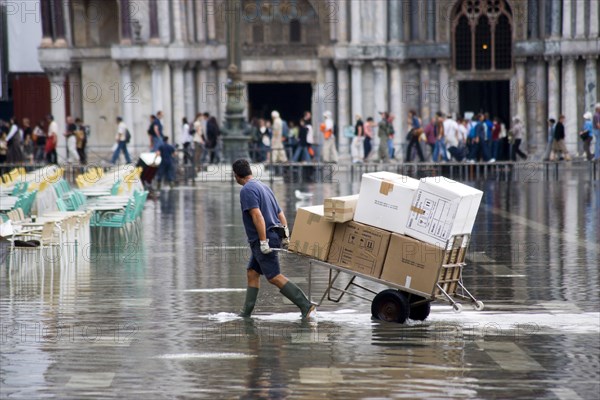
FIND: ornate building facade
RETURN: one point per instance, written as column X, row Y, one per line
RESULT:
column 531, row 58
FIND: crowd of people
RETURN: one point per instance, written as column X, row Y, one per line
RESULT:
column 442, row 138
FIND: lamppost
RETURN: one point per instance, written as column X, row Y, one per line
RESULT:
column 235, row 143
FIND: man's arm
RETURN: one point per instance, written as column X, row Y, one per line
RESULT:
column 259, row 223
column 282, row 218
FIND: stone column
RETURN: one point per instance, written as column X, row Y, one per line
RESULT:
column 414, row 16
column 211, row 14
column 343, row 98
column 424, row 84
column 569, row 103
column 124, row 90
column 164, row 23
column 201, row 85
column 566, row 19
column 381, row 85
column 395, row 20
column 553, row 88
column 342, row 22
column 189, row 14
column 555, row 18
column 125, row 24
column 541, row 107
column 59, row 24
column 46, row 14
column 521, row 95
column 157, row 85
column 190, row 103
column 355, row 16
column 591, row 83
column 356, row 66
column 75, row 91
column 580, row 17
column 178, row 22
column 222, row 91
column 430, row 20
column 200, row 21
column 57, row 79
column 533, row 18
column 381, row 12
column 444, row 86
column 396, row 106
column 327, row 89
column 178, row 98
column 153, row 11
column 593, row 33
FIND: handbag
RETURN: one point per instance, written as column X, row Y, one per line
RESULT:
column 585, row 135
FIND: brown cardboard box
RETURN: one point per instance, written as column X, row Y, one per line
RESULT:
column 340, row 209
column 359, row 247
column 311, row 234
column 412, row 264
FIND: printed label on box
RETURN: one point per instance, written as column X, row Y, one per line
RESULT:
column 432, row 215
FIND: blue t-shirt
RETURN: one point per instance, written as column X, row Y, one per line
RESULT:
column 166, row 153
column 255, row 194
column 415, row 122
column 489, row 126
column 587, row 126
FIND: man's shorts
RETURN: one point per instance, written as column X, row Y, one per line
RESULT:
column 265, row 264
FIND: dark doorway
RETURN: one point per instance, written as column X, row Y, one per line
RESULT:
column 485, row 96
column 290, row 99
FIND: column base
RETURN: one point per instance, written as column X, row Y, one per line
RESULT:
column 60, row 42
column 125, row 42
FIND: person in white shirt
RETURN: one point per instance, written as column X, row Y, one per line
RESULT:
column 121, row 139
column 14, row 153
column 329, row 153
column 199, row 140
column 277, row 149
column 453, row 137
column 185, row 140
column 52, row 141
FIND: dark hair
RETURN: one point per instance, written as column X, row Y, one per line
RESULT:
column 77, row 119
column 184, row 120
column 206, row 114
column 552, row 120
column 119, row 119
column 165, row 139
column 242, row 168
column 369, row 119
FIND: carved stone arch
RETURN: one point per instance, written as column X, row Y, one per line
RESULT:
column 490, row 23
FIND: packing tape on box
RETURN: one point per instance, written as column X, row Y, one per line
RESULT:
column 417, row 210
column 407, row 282
column 386, row 187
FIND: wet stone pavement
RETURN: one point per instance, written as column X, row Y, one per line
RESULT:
column 155, row 318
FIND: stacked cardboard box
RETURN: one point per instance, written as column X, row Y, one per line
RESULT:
column 396, row 229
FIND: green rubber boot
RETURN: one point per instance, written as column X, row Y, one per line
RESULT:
column 251, row 295
column 297, row 296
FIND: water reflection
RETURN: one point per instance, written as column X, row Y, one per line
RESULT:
column 144, row 319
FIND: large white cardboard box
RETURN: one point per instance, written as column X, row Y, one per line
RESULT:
column 384, row 200
column 441, row 208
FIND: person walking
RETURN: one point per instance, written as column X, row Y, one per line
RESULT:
column 596, row 131
column 330, row 154
column 586, row 134
column 414, row 132
column 277, row 150
column 383, row 132
column 39, row 139
column 166, row 168
column 28, row 143
column 390, row 138
column 558, row 145
column 368, row 143
column 517, row 131
column 185, row 140
column 14, row 154
column 548, row 151
column 301, row 152
column 51, row 141
column 357, row 148
column 213, row 136
column 263, row 220
column 439, row 148
column 430, row 137
column 154, row 133
column 81, row 141
column 69, row 135
column 199, row 140
column 454, row 138
column 121, row 139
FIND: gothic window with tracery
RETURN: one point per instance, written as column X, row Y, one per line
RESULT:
column 482, row 33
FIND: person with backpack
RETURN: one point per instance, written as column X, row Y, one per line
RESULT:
column 121, row 139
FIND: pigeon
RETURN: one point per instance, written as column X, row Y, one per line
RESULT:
column 302, row 195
